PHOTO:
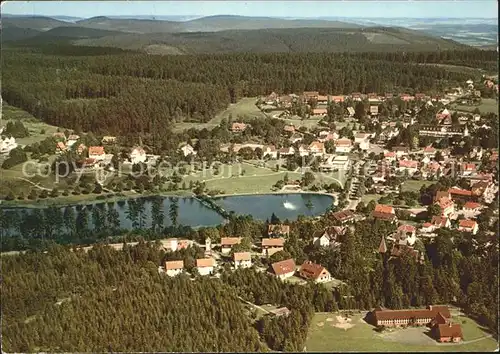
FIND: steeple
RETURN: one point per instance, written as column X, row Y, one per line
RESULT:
column 383, row 247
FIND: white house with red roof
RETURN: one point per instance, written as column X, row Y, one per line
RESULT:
column 97, row 153
column 390, row 155
column 468, row 169
column 408, row 165
column 270, row 150
column 317, row 148
column 363, row 140
column 343, row 145
column 468, row 226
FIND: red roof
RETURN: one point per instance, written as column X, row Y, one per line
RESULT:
column 205, row 262
column 439, row 221
column 230, row 241
column 408, row 163
column 284, row 267
column 469, row 167
column 387, row 209
column 468, row 224
column 390, row 154
column 278, row 229
column 445, row 202
column 430, row 312
column 310, row 270
column 472, row 205
column 343, row 215
column 450, row 331
column 273, row 242
column 457, row 191
column 407, row 228
column 96, row 150
column 174, row 265
column 242, row 256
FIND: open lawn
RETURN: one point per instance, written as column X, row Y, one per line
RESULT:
column 38, row 130
column 487, row 105
column 413, row 185
column 332, row 333
column 243, row 109
column 367, row 198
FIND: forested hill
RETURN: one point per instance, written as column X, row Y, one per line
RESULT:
column 126, row 93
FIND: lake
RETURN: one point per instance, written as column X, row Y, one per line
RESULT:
column 195, row 214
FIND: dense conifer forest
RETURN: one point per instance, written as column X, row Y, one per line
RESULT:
column 130, row 93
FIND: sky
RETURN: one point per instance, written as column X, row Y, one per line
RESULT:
column 346, row 8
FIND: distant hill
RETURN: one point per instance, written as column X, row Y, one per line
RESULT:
column 77, row 32
column 38, row 23
column 130, row 25
column 278, row 40
column 14, row 33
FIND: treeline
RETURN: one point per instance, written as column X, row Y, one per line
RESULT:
column 134, row 93
column 115, row 301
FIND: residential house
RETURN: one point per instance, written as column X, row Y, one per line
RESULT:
column 407, row 234
column 227, row 243
column 317, row 148
column 303, row 150
column 401, row 151
column 468, row 226
column 108, row 140
column 173, row 268
column 238, row 127
column 309, row 95
column 390, row 155
column 468, row 169
column 337, row 99
column 138, row 155
column 289, row 128
column 343, row 145
column 285, row 101
column 319, row 112
column 81, row 149
column 271, row 99
column 442, row 131
column 344, row 217
column 289, row 151
column 272, row 245
column 296, row 137
column 439, row 222
column 406, row 97
column 328, row 237
column 187, row 150
column 326, row 135
column 205, row 266
column 7, row 144
column 429, row 151
column 462, row 194
column 242, row 260
column 363, row 140
column 322, row 99
column 356, row 96
column 278, row 230
column 427, row 227
column 408, row 165
column 314, row 272
column 270, row 150
column 87, row 164
column 399, row 249
column 60, row 147
column 284, row 269
column 446, row 205
column 72, row 139
column 471, row 207
column 97, row 153
column 173, row 244
column 384, row 212
column 351, row 111
column 443, row 117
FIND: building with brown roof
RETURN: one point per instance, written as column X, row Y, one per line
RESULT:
column 284, row 269
column 96, row 152
column 227, row 243
column 399, row 318
column 242, row 260
column 173, row 268
column 272, row 245
column 238, row 127
column 205, row 266
column 329, row 236
column 278, row 230
column 344, row 216
column 468, row 226
column 314, row 272
column 385, row 213
column 448, row 332
column 446, row 205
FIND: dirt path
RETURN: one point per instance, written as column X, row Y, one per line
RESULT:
column 253, row 305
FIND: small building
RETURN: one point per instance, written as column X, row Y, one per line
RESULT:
column 344, row 216
column 278, row 230
column 97, row 153
column 447, row 206
column 448, row 332
column 468, row 226
column 408, row 165
column 472, row 207
column 60, row 147
column 272, row 245
column 270, row 150
column 363, row 140
column 319, row 112
column 173, row 268
column 72, row 139
column 108, row 139
column 138, row 155
column 242, row 260
column 205, row 266
column 227, row 243
column 173, row 244
column 238, row 127
column 289, row 151
column 7, row 144
column 343, row 145
column 317, row 148
column 328, row 237
column 440, row 221
column 296, row 137
column 314, row 272
column 384, row 212
column 409, row 232
column 284, row 269
column 187, row 150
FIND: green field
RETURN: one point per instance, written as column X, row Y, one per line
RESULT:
column 488, row 105
column 413, row 185
column 34, row 125
column 243, row 109
column 324, row 335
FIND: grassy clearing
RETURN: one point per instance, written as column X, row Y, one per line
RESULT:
column 369, row 197
column 243, row 109
column 488, row 105
column 413, row 185
column 325, row 336
column 34, row 125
